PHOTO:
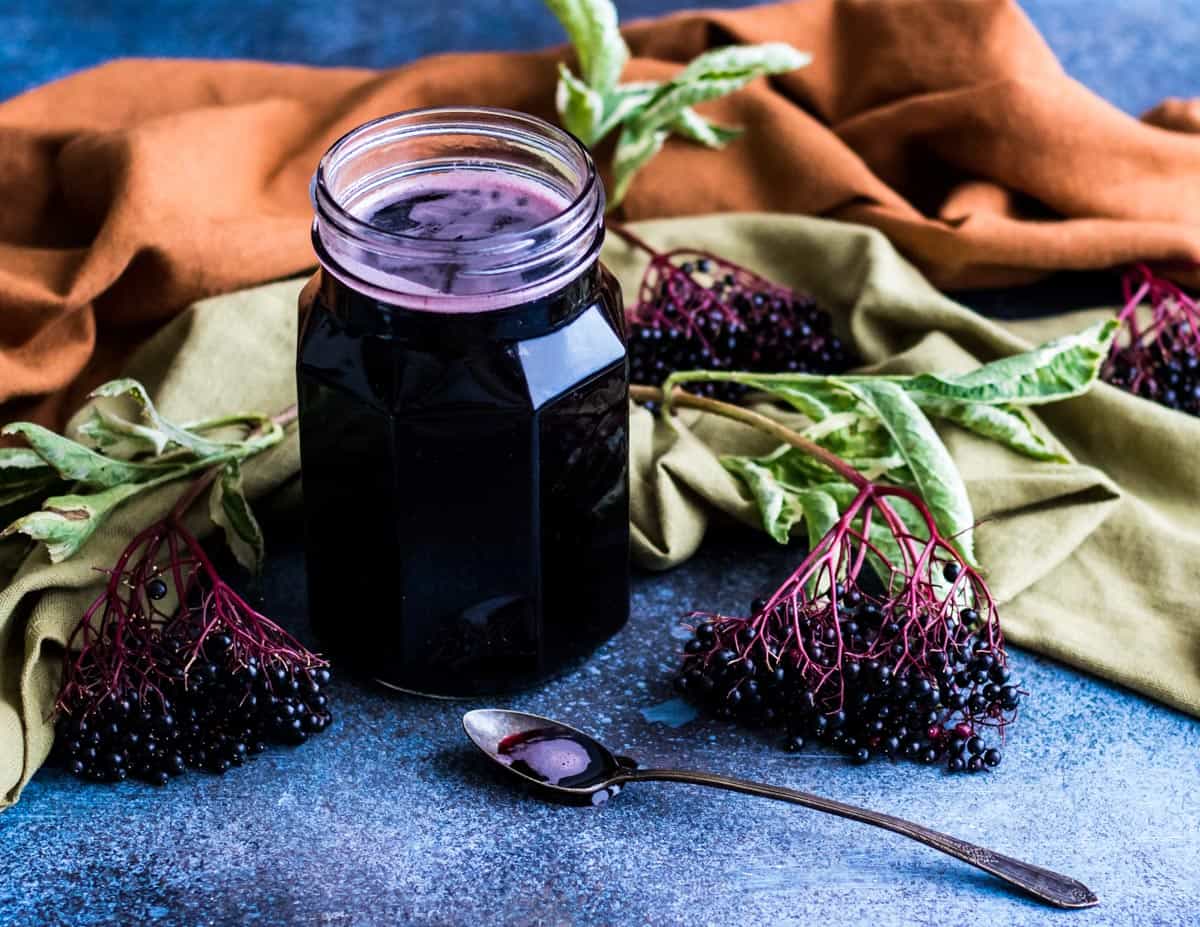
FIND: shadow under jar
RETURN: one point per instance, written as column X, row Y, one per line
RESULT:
column 464, row 414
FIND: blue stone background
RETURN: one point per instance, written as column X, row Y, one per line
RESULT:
column 389, row 818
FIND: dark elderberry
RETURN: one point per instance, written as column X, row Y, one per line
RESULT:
column 698, row 312
column 1157, row 358
column 148, row 693
column 914, row 681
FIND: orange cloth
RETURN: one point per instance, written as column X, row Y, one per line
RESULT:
column 130, row 190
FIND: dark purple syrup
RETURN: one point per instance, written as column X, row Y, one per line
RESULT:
column 465, row 472
column 556, row 756
column 465, row 204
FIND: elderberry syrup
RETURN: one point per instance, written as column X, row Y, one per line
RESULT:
column 463, row 391
column 557, row 756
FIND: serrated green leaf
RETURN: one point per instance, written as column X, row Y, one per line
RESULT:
column 767, row 58
column 934, row 473
column 696, row 128
column 230, row 509
column 591, row 27
column 75, row 462
column 715, row 74
column 673, row 97
column 64, row 523
column 1056, row 370
column 622, row 103
column 580, row 108
column 1001, row 423
column 633, row 151
column 164, row 430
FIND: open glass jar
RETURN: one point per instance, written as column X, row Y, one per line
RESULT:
column 463, row 393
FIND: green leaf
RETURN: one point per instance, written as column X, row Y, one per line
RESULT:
column 623, row 102
column 163, row 430
column 591, row 27
column 64, row 523
column 934, row 474
column 633, row 151
column 595, row 103
column 777, row 506
column 866, row 445
column 821, row 510
column 1056, row 370
column 768, row 58
column 230, row 509
column 580, row 108
column 118, row 438
column 696, row 128
column 817, row 397
column 782, row 505
column 1004, row 424
column 676, row 95
column 714, row 74
column 75, row 462
column 19, row 465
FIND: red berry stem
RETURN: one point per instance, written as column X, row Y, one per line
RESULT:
column 698, row 311
column 1160, row 360
column 883, row 641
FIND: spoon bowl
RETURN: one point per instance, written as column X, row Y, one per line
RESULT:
column 563, row 763
column 553, row 758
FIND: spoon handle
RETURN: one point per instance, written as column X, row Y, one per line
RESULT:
column 1059, row 890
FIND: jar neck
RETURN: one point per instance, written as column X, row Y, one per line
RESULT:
column 363, row 315
column 457, row 210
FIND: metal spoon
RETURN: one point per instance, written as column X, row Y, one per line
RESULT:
column 564, row 763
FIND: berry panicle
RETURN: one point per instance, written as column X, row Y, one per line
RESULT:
column 1157, row 353
column 169, row 668
column 881, row 643
column 697, row 311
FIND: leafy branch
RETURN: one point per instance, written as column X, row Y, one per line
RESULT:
column 649, row 112
column 881, row 427
column 59, row 490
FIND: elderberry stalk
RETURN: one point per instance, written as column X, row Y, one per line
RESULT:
column 885, row 641
column 171, row 669
column 697, row 311
column 1157, row 354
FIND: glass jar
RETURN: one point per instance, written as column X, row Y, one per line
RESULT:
column 463, row 390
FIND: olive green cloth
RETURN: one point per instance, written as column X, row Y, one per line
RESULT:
column 1092, row 564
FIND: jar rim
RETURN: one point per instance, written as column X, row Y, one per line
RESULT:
column 506, row 266
column 440, row 120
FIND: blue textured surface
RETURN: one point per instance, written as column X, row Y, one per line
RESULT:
column 389, row 818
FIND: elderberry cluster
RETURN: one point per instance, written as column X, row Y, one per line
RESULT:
column 212, row 716
column 1166, row 371
column 735, row 327
column 933, row 714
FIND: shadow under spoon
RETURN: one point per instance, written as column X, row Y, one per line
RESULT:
column 563, row 763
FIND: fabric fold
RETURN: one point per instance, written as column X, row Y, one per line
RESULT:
column 1089, row 558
